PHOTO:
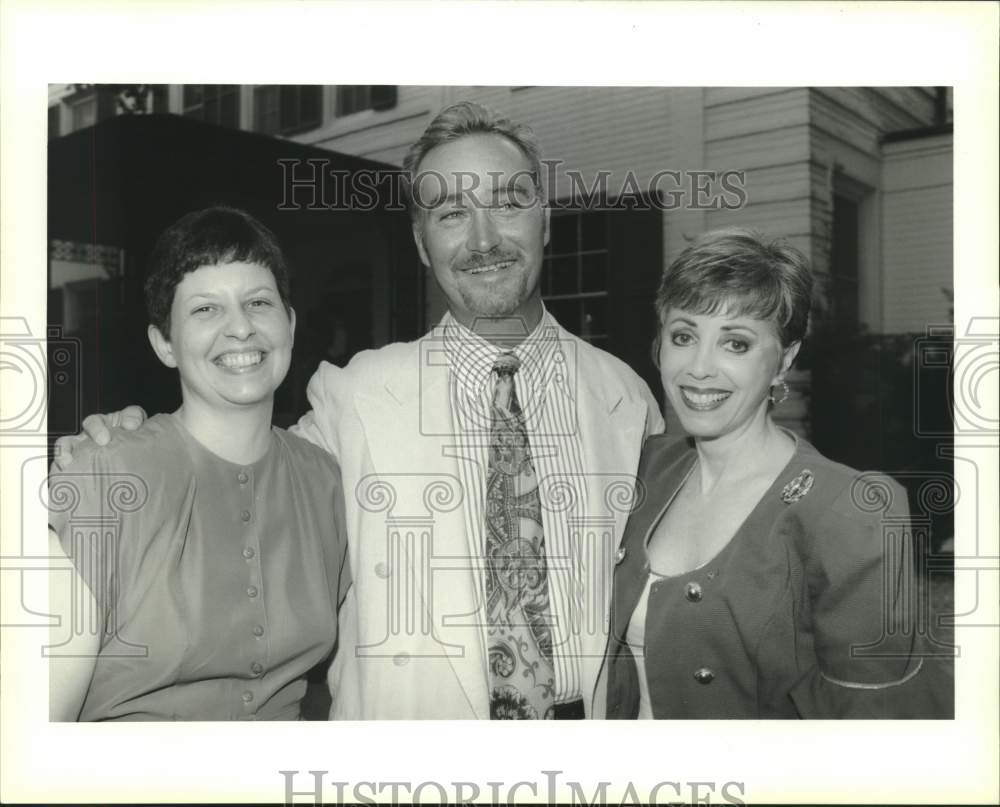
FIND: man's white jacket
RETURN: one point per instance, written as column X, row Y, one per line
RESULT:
column 412, row 641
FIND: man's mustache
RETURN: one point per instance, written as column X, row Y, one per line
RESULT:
column 479, row 260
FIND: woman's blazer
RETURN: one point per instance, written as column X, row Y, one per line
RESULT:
column 810, row 611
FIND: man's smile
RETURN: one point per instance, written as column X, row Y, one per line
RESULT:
column 497, row 266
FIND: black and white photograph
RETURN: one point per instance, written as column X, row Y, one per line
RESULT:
column 375, row 413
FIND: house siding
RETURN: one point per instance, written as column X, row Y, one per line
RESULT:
column 917, row 217
column 795, row 145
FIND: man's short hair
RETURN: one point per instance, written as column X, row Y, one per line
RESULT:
column 209, row 237
column 463, row 119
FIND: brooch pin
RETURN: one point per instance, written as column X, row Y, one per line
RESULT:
column 798, row 487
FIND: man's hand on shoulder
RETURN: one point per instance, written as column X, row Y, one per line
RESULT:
column 97, row 428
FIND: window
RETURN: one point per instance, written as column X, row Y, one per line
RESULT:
column 575, row 273
column 287, row 108
column 137, row 99
column 213, row 103
column 353, row 98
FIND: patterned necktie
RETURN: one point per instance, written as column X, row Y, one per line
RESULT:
column 522, row 681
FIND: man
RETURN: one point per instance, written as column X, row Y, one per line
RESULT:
column 484, row 464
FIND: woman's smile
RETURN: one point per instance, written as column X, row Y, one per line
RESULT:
column 241, row 361
column 704, row 400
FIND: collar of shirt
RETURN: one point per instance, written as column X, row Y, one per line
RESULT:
column 471, row 357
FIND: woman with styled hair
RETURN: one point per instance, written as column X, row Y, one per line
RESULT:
column 756, row 578
column 211, row 584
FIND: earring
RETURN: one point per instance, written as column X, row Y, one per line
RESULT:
column 784, row 393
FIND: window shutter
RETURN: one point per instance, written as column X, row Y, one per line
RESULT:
column 635, row 247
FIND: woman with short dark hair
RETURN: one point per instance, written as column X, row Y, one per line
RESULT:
column 219, row 562
column 756, row 578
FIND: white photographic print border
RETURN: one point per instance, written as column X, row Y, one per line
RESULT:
column 509, row 44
